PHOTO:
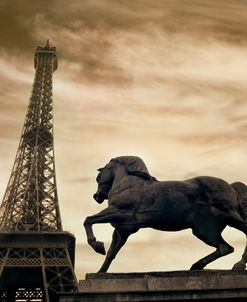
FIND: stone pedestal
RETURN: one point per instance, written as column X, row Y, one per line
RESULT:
column 209, row 285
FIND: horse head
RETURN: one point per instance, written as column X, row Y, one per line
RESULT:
column 104, row 179
column 133, row 166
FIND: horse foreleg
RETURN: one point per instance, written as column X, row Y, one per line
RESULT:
column 241, row 265
column 119, row 238
column 107, row 215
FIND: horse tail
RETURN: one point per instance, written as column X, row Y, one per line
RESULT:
column 241, row 191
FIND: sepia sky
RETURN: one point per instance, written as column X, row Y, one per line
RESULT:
column 165, row 80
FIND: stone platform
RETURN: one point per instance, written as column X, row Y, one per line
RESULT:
column 208, row 285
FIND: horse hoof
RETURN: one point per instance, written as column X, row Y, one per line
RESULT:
column 101, row 272
column 99, row 248
column 239, row 266
column 197, row 266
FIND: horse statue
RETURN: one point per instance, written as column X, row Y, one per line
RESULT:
column 137, row 200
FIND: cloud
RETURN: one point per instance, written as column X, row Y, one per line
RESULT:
column 92, row 33
column 159, row 79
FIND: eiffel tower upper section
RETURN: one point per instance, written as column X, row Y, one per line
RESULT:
column 30, row 202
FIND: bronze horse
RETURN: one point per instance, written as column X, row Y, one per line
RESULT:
column 137, row 200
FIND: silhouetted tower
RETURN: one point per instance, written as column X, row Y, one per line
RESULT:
column 36, row 255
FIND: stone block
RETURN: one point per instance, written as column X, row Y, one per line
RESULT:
column 208, row 285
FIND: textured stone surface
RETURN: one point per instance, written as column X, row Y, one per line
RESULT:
column 214, row 285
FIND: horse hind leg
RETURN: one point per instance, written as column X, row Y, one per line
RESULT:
column 213, row 239
column 241, row 264
column 235, row 220
column 241, row 226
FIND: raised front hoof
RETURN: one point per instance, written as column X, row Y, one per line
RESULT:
column 239, row 266
column 198, row 266
column 99, row 248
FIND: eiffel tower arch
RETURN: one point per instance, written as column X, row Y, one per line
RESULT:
column 36, row 255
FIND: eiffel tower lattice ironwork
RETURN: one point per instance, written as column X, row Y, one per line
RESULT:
column 36, row 255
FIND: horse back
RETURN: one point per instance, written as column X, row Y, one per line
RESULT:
column 197, row 192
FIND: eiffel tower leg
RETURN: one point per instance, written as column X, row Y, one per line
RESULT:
column 19, row 275
column 58, row 273
column 44, row 277
column 36, row 266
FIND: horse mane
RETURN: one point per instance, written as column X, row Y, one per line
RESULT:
column 135, row 166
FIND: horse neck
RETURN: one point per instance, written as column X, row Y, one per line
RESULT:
column 119, row 174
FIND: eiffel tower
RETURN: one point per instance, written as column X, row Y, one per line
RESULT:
column 36, row 255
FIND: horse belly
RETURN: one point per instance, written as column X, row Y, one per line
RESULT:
column 170, row 221
column 170, row 226
column 167, row 214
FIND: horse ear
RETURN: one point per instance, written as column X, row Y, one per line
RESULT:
column 100, row 169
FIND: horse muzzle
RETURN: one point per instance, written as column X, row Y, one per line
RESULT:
column 100, row 197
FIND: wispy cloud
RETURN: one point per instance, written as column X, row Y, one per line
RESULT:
column 164, row 80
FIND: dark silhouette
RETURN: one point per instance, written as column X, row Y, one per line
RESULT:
column 137, row 200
